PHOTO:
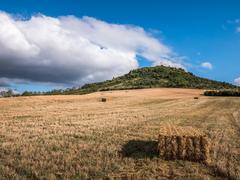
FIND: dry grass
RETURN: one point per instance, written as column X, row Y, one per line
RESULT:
column 79, row 137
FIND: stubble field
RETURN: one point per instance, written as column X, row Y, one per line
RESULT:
column 80, row 137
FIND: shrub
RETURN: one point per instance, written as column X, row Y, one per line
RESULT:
column 222, row 93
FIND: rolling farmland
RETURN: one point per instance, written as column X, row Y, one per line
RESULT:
column 79, row 136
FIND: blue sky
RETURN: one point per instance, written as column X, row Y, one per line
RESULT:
column 196, row 31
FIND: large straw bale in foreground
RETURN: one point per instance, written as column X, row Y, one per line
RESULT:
column 183, row 143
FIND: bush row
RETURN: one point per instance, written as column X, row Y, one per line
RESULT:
column 222, row 93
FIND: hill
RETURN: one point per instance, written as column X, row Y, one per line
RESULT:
column 147, row 77
column 152, row 77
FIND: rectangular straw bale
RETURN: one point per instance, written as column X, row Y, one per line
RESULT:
column 168, row 147
column 204, row 144
column 197, row 147
column 181, row 147
column 183, row 143
column 161, row 146
column 189, row 149
column 174, row 148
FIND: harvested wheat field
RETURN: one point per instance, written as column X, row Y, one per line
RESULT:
column 80, row 137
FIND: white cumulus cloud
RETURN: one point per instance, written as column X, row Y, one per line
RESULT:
column 237, row 81
column 206, row 65
column 71, row 50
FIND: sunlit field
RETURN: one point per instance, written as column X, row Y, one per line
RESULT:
column 80, row 137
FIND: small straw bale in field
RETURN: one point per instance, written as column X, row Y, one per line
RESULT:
column 103, row 99
column 183, row 143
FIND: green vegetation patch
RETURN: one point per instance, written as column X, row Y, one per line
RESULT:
column 147, row 77
column 222, row 93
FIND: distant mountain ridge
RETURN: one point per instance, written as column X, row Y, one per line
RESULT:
column 150, row 77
